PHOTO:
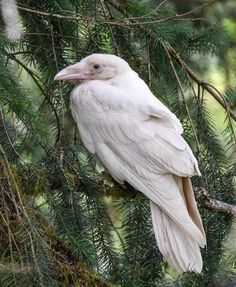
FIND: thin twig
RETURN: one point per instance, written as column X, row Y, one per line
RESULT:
column 184, row 101
column 206, row 86
column 149, row 61
column 36, row 80
column 133, row 21
column 46, row 13
column 61, row 126
column 110, row 28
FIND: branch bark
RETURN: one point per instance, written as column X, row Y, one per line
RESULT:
column 207, row 202
column 206, row 86
column 107, row 186
column 202, row 196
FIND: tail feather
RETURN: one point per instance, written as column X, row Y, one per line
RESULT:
column 191, row 204
column 178, row 248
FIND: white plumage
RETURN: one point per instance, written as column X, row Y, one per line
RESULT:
column 138, row 139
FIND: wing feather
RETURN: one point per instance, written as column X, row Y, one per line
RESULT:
column 151, row 131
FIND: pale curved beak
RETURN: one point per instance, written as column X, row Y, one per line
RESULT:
column 72, row 73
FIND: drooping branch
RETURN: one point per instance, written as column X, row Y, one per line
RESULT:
column 126, row 22
column 206, row 86
column 110, row 187
column 24, row 227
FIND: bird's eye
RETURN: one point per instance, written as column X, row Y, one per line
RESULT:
column 96, row 66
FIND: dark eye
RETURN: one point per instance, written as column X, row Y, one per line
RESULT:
column 96, row 66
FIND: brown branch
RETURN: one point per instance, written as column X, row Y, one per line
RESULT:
column 125, row 22
column 56, row 15
column 207, row 202
column 37, row 80
column 120, row 8
column 110, row 187
column 220, row 206
column 107, row 186
column 206, row 86
column 184, row 100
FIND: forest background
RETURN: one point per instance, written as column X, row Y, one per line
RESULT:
column 62, row 222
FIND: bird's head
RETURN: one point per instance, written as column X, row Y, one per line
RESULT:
column 94, row 67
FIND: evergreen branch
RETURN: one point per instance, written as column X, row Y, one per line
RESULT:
column 109, row 187
column 202, row 196
column 2, row 119
column 37, row 81
column 210, row 89
column 104, row 7
column 19, row 217
column 184, row 100
column 206, row 86
column 56, row 15
column 28, row 70
column 61, row 123
column 124, row 21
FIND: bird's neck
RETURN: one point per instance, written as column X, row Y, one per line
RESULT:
column 124, row 80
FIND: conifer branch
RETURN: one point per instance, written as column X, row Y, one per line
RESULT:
column 209, row 88
column 122, row 22
column 15, row 213
column 206, row 86
column 109, row 187
column 112, row 188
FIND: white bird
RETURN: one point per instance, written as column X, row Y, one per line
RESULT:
column 138, row 140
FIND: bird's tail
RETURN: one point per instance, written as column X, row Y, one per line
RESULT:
column 178, row 248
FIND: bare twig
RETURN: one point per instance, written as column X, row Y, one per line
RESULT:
column 149, row 60
column 184, row 100
column 206, row 86
column 46, row 13
column 61, row 126
column 207, row 202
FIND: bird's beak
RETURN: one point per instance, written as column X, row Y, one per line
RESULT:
column 73, row 73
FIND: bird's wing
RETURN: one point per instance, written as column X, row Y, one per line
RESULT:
column 106, row 114
column 140, row 144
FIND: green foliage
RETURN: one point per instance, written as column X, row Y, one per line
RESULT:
column 58, row 215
